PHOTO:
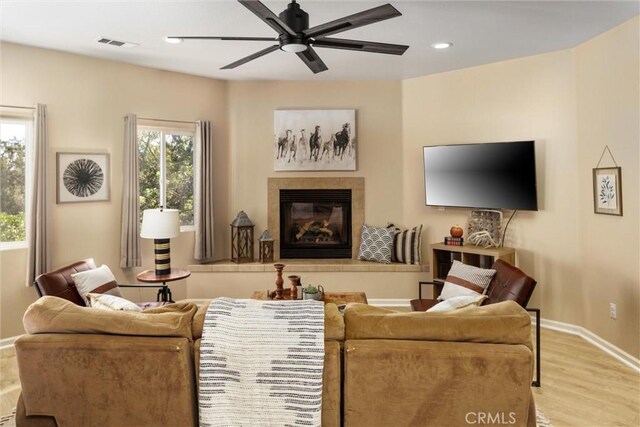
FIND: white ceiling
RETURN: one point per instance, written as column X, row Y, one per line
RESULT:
column 482, row 32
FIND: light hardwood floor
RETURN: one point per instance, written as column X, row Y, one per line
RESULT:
column 581, row 385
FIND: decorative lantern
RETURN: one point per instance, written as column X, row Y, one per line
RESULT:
column 266, row 247
column 242, row 239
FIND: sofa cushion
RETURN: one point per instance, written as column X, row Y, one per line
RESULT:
column 98, row 281
column 111, row 302
column 56, row 315
column 502, row 323
column 464, row 279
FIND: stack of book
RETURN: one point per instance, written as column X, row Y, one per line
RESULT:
column 454, row 241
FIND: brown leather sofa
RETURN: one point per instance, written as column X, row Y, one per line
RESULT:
column 82, row 366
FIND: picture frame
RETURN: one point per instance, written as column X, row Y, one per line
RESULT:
column 314, row 140
column 607, row 191
column 82, row 177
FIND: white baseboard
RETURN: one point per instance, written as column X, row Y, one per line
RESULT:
column 587, row 335
column 8, row 342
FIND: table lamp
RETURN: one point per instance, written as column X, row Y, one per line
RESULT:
column 161, row 225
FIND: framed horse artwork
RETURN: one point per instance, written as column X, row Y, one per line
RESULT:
column 314, row 140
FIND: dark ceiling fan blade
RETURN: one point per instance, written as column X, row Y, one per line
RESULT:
column 313, row 61
column 360, row 19
column 264, row 13
column 251, row 57
column 360, row 45
column 257, row 39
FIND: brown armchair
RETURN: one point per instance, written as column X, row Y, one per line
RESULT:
column 509, row 283
column 59, row 283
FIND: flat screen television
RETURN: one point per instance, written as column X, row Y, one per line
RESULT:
column 500, row 175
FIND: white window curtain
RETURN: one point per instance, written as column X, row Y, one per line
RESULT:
column 203, row 192
column 39, row 255
column 130, row 223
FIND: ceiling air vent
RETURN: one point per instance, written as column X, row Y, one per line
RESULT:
column 116, row 43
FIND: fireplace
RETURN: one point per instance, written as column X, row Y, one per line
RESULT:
column 315, row 223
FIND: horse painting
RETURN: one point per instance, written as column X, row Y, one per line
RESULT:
column 314, row 140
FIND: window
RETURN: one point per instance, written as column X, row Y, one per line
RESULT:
column 14, row 139
column 166, row 170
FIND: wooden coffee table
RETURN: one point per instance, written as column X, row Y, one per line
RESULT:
column 334, row 297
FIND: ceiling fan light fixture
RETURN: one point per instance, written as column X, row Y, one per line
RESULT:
column 173, row 40
column 442, row 45
column 293, row 47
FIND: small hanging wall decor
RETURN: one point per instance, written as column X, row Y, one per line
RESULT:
column 607, row 188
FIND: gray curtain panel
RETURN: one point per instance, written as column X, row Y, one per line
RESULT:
column 39, row 260
column 203, row 192
column 130, row 223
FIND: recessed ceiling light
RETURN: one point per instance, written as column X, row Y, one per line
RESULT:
column 442, row 45
column 173, row 40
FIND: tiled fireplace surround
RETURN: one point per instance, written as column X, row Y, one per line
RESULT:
column 385, row 284
column 356, row 185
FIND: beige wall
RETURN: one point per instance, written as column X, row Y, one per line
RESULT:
column 572, row 103
column 378, row 108
column 608, row 92
column 87, row 99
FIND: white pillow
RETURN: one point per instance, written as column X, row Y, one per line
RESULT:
column 466, row 279
column 98, row 281
column 111, row 302
column 457, row 302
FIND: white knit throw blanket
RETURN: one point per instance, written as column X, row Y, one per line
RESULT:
column 261, row 363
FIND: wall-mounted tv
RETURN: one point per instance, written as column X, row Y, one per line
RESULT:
column 500, row 175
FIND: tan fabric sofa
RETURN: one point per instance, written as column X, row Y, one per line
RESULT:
column 87, row 367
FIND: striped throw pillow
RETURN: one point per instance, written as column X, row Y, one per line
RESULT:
column 98, row 281
column 466, row 279
column 407, row 244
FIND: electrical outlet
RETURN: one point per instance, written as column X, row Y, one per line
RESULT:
column 613, row 310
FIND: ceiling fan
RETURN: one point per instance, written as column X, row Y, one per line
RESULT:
column 294, row 34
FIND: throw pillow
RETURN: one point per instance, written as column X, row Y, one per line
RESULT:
column 111, row 302
column 376, row 244
column 457, row 302
column 407, row 244
column 465, row 279
column 98, row 281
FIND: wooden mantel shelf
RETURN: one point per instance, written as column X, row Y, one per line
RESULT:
column 306, row 265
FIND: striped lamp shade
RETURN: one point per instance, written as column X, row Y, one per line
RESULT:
column 161, row 225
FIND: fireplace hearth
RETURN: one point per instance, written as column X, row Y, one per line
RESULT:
column 315, row 223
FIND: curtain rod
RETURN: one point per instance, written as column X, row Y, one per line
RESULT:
column 164, row 120
column 17, row 106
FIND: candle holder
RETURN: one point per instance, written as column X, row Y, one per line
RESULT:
column 279, row 281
